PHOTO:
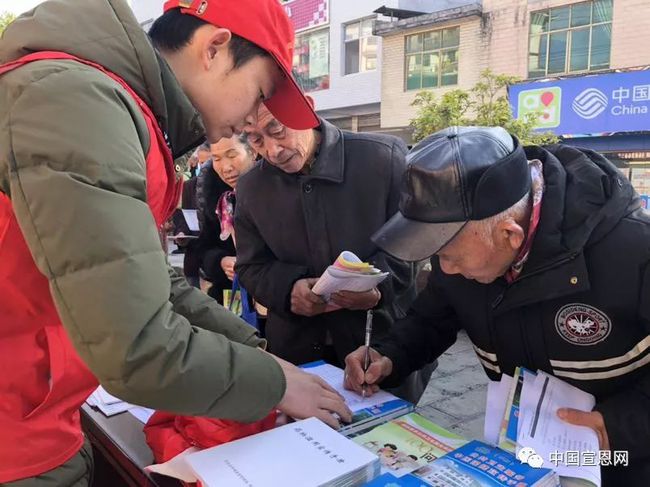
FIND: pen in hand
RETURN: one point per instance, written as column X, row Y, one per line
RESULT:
column 366, row 360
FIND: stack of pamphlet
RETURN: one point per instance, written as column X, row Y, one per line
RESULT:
column 521, row 417
column 348, row 273
column 306, row 453
column 475, row 464
column 366, row 412
column 408, row 443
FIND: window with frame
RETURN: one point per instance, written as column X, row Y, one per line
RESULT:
column 311, row 60
column 432, row 59
column 360, row 47
column 569, row 39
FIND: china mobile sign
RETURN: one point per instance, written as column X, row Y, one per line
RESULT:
column 305, row 14
column 616, row 102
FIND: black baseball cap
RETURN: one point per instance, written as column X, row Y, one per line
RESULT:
column 457, row 175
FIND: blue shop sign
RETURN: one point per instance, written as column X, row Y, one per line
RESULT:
column 587, row 105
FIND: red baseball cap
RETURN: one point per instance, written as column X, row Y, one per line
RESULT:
column 266, row 24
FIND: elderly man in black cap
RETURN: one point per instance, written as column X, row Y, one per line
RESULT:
column 542, row 255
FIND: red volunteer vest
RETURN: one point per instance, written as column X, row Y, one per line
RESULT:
column 43, row 382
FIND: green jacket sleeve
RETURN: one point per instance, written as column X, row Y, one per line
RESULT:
column 206, row 313
column 77, row 183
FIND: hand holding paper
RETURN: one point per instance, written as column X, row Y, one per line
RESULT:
column 357, row 301
column 590, row 419
column 304, row 302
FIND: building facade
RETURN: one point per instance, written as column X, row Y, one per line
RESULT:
column 439, row 51
column 337, row 59
column 584, row 71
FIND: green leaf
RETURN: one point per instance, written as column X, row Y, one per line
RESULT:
column 485, row 104
column 6, row 18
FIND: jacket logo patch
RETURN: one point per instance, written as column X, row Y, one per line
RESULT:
column 581, row 324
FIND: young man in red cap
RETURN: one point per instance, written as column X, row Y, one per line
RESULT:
column 92, row 117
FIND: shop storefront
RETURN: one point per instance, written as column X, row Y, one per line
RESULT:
column 311, row 60
column 636, row 166
column 609, row 113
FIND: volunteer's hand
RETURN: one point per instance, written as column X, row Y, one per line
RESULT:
column 357, row 301
column 228, row 266
column 304, row 302
column 309, row 396
column 380, row 368
column 593, row 420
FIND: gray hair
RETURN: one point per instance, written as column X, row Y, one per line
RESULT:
column 243, row 140
column 518, row 212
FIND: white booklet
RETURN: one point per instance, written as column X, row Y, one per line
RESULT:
column 334, row 376
column 307, row 453
column 349, row 273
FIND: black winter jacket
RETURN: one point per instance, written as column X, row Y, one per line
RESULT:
column 292, row 226
column 580, row 309
column 209, row 247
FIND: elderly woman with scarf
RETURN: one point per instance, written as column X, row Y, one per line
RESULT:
column 216, row 187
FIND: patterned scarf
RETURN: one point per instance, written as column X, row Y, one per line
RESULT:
column 226, row 214
column 537, row 177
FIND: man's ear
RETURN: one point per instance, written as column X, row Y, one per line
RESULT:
column 214, row 47
column 509, row 234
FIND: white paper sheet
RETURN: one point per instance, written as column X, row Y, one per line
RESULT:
column 92, row 399
column 174, row 237
column 334, row 377
column 113, row 409
column 495, row 408
column 192, row 220
column 142, row 414
column 105, row 397
column 108, row 404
